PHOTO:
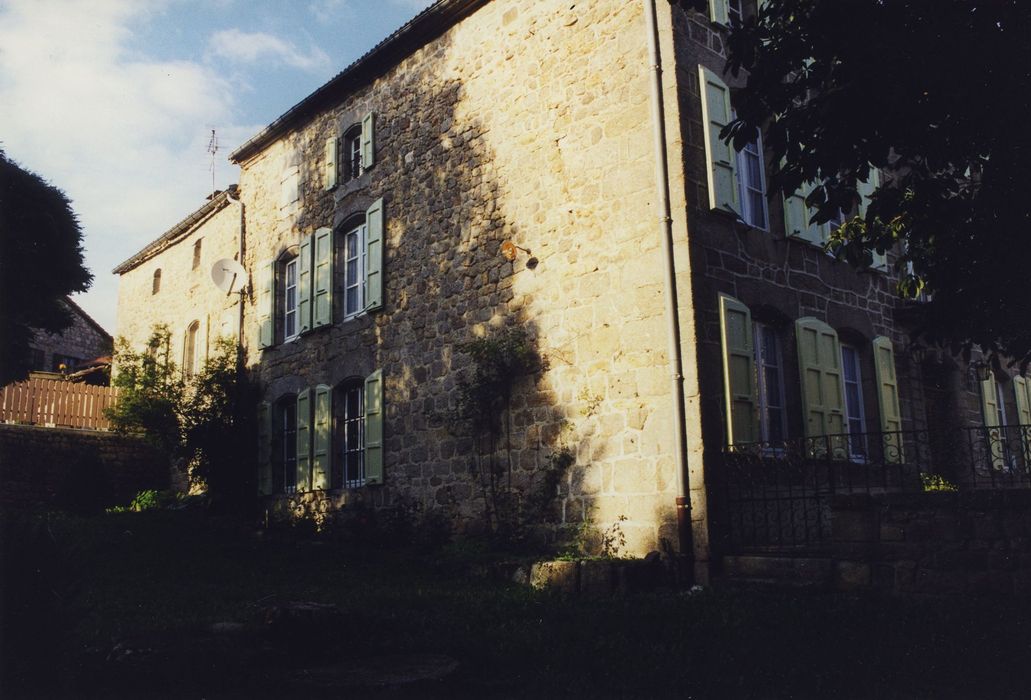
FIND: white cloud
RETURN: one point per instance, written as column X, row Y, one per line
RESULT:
column 253, row 47
column 124, row 136
column 327, row 11
column 418, row 5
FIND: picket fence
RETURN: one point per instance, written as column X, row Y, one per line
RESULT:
column 56, row 403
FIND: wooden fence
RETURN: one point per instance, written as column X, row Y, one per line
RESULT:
column 56, row 403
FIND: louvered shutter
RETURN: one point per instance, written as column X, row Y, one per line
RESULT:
column 819, row 365
column 866, row 190
column 322, row 298
column 990, row 412
column 797, row 216
column 719, row 155
column 264, row 448
column 266, row 303
column 330, row 173
column 888, row 399
column 304, row 284
column 303, row 439
column 374, row 428
column 738, row 371
column 1022, row 389
column 719, row 11
column 368, row 141
column 322, row 438
column 374, row 256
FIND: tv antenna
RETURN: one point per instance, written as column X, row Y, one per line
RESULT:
column 212, row 149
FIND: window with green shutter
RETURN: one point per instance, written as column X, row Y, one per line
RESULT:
column 866, row 190
column 819, row 366
column 888, row 399
column 304, row 284
column 719, row 155
column 738, row 371
column 266, row 303
column 374, row 428
column 993, row 412
column 368, row 143
column 374, row 256
column 303, row 436
column 322, row 437
column 1022, row 392
column 322, row 292
column 329, row 178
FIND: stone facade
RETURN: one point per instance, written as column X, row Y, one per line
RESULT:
column 525, row 123
column 183, row 293
column 82, row 341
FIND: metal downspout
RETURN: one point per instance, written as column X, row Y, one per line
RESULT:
column 683, row 503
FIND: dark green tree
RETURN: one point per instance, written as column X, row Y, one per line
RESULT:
column 40, row 263
column 936, row 95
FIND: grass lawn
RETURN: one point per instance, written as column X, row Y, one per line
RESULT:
column 139, row 593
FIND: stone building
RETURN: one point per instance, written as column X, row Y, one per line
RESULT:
column 493, row 164
column 84, row 340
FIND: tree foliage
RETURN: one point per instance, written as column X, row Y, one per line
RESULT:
column 936, row 95
column 40, row 263
column 204, row 423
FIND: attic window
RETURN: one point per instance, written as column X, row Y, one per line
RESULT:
column 352, row 152
column 155, row 286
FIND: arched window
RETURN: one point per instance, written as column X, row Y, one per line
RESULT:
column 196, row 254
column 284, row 445
column 155, row 285
column 349, row 433
column 191, row 348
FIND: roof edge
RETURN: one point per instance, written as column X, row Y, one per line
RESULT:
column 418, row 31
column 86, row 317
column 218, row 201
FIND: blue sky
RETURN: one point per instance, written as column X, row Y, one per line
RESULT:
column 113, row 101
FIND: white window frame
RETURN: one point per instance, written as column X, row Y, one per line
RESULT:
column 763, row 390
column 288, row 310
column 857, row 452
column 287, row 429
column 350, row 423
column 735, row 7
column 351, row 145
column 745, row 184
column 357, row 279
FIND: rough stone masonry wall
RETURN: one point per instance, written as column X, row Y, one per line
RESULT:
column 80, row 340
column 79, row 469
column 948, row 543
column 780, row 279
column 526, row 122
column 186, row 294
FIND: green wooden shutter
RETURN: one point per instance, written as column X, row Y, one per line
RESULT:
column 323, row 424
column 322, row 299
column 264, row 448
column 888, row 398
column 304, row 285
column 368, row 141
column 819, row 365
column 1022, row 388
column 720, row 156
column 719, row 11
column 374, row 428
column 303, row 439
column 866, row 190
column 374, row 256
column 796, row 217
column 266, row 303
column 990, row 410
column 329, row 179
column 738, row 371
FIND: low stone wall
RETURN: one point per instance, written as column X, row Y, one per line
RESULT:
column 939, row 543
column 79, row 470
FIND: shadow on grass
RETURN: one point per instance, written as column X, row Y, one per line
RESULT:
column 153, row 584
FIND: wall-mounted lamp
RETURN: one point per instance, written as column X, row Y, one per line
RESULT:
column 982, row 370
column 508, row 251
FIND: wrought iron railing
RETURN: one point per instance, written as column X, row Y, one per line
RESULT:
column 777, row 493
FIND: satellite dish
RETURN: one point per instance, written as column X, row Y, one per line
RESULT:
column 229, row 275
